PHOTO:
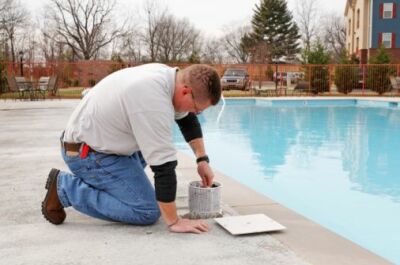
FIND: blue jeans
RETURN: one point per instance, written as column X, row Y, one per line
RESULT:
column 109, row 187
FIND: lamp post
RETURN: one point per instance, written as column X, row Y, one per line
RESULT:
column 274, row 40
column 21, row 56
column 4, row 46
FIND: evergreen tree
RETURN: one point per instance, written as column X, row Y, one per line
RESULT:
column 381, row 57
column 273, row 26
column 318, row 54
column 347, row 72
column 317, row 72
column 378, row 75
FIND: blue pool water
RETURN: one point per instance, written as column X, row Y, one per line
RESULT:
column 336, row 162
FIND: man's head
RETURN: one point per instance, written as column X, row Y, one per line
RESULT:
column 197, row 87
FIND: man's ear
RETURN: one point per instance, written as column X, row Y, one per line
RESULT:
column 186, row 90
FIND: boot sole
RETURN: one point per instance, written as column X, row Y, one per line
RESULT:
column 50, row 179
column 52, row 175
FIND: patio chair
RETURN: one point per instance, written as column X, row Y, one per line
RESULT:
column 43, row 86
column 395, row 82
column 15, row 88
column 291, row 84
column 23, row 83
column 26, row 86
column 52, row 86
column 268, row 87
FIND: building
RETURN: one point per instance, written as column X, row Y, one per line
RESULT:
column 370, row 24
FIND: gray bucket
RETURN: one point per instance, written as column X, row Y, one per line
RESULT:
column 204, row 202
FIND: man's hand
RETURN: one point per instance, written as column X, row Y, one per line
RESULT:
column 206, row 173
column 189, row 226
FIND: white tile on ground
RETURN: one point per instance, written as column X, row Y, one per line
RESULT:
column 248, row 224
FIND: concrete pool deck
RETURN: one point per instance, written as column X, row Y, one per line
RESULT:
column 29, row 147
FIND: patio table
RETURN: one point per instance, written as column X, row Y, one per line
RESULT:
column 29, row 87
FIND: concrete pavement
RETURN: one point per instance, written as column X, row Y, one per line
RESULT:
column 29, row 147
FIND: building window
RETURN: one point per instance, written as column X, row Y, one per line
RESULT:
column 357, row 44
column 348, row 48
column 387, row 40
column 388, row 10
column 358, row 18
column 349, row 27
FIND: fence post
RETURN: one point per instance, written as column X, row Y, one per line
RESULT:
column 364, row 81
column 309, row 79
column 259, row 76
column 330, row 79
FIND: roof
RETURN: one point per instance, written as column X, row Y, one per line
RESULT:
column 349, row 3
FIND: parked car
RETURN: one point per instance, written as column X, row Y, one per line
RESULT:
column 235, row 78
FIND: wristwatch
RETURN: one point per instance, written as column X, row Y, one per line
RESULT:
column 203, row 158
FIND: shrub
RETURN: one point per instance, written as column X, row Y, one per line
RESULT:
column 318, row 74
column 3, row 76
column 67, row 81
column 346, row 76
column 378, row 75
column 117, row 64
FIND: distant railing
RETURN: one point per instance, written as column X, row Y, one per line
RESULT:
column 281, row 79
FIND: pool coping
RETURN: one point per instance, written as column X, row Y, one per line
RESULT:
column 327, row 98
column 309, row 240
column 366, row 98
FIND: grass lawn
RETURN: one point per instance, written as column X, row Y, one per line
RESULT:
column 237, row 93
column 70, row 92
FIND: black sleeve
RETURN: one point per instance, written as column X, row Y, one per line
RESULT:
column 165, row 181
column 190, row 127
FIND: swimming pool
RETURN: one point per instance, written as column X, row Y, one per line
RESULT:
column 336, row 162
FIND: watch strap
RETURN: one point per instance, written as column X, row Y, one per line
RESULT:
column 203, row 158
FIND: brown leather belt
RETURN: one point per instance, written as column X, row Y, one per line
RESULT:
column 74, row 148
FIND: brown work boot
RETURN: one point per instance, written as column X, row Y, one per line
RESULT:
column 52, row 208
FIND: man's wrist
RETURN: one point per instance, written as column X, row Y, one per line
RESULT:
column 203, row 158
column 173, row 223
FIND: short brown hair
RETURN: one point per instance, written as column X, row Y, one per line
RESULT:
column 205, row 80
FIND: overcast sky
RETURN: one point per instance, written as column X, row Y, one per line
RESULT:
column 210, row 16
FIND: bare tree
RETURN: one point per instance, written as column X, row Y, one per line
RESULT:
column 213, row 52
column 50, row 47
column 155, row 14
column 50, row 43
column 131, row 45
column 177, row 39
column 334, row 33
column 85, row 26
column 13, row 18
column 234, row 44
column 166, row 38
column 307, row 17
column 28, row 43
